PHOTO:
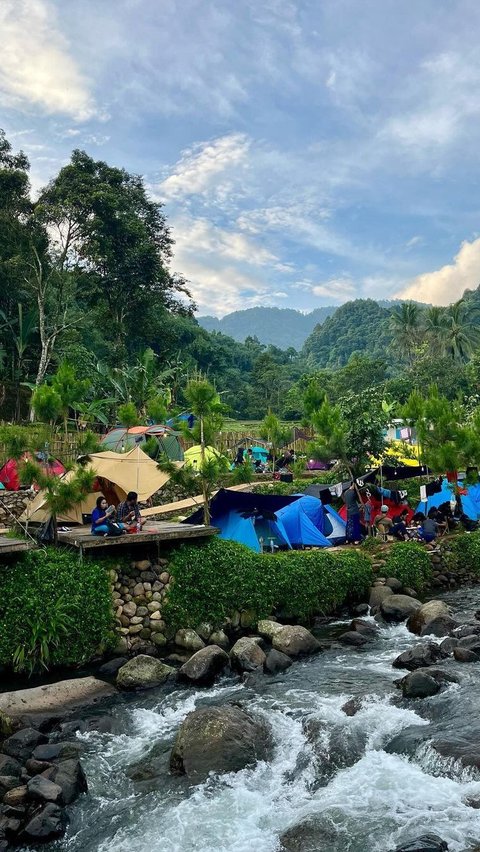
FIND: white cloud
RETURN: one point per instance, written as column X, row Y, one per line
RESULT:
column 337, row 289
column 447, row 284
column 202, row 167
column 36, row 68
column 199, row 236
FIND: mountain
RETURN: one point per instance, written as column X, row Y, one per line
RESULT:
column 361, row 325
column 283, row 327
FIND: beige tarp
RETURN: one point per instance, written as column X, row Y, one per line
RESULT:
column 188, row 503
column 118, row 474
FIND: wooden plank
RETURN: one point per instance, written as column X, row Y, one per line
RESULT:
column 14, row 545
column 82, row 537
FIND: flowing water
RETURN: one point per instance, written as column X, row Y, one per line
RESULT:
column 365, row 783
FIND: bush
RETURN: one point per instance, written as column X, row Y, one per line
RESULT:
column 409, row 562
column 466, row 551
column 213, row 579
column 53, row 611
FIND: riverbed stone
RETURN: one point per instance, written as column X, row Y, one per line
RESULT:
column 398, row 607
column 351, row 637
column 10, row 766
column 448, row 645
column 378, row 594
column 143, row 672
column 111, row 667
column 220, row 638
column 43, row 790
column 419, row 685
column 276, row 662
column 129, row 609
column 295, row 641
column 159, row 639
column 394, row 584
column 52, row 752
column 21, row 745
column 352, row 706
column 247, row 655
column 49, row 824
column 427, row 613
column 463, row 655
column 219, row 739
column 70, row 777
column 419, row 656
column 205, row 665
column 268, row 629
column 188, row 639
column 7, row 782
column 424, row 843
column 366, row 628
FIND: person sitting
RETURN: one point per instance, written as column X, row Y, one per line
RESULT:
column 429, row 529
column 128, row 511
column 399, row 528
column 103, row 518
column 382, row 523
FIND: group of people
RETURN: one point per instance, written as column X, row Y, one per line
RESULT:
column 110, row 521
column 423, row 528
column 283, row 462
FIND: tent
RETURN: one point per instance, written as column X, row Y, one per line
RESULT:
column 10, row 474
column 116, row 475
column 469, row 496
column 260, row 454
column 193, row 456
column 121, row 439
column 308, row 522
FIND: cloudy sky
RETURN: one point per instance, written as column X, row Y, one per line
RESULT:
column 307, row 151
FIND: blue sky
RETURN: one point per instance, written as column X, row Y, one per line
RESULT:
column 307, row 152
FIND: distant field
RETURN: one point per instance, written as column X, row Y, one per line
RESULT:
column 252, row 426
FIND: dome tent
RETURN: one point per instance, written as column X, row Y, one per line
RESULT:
column 121, row 439
column 193, row 456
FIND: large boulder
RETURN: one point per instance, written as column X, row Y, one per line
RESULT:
column 218, row 739
column 419, row 656
column 295, row 641
column 247, row 655
column 267, row 629
column 463, row 655
column 143, row 672
column 71, row 779
column 425, row 614
column 48, row 824
column 378, row 594
column 351, row 637
column 424, row 843
column 311, row 835
column 21, row 744
column 44, row 790
column 399, row 607
column 276, row 662
column 419, row 685
column 366, row 628
column 203, row 666
column 189, row 639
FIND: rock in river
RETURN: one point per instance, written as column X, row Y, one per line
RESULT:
column 247, row 655
column 419, row 656
column 425, row 843
column 427, row 613
column 203, row 666
column 398, row 607
column 142, row 672
column 295, row 641
column 218, row 739
column 419, row 685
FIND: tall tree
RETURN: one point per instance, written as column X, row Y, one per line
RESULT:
column 405, row 324
column 462, row 330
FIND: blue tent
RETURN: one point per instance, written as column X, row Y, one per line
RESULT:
column 260, row 454
column 470, row 500
column 303, row 522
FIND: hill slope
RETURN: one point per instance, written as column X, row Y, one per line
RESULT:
column 361, row 325
column 283, row 327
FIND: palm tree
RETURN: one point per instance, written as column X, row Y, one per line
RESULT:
column 204, row 402
column 405, row 325
column 435, row 327
column 462, row 331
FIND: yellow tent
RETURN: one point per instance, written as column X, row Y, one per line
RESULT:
column 193, row 456
column 395, row 451
column 116, row 474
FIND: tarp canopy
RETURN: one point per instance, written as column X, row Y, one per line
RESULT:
column 469, row 496
column 121, row 439
column 116, row 475
column 10, row 473
column 193, row 456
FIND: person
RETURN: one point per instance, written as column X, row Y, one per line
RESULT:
column 399, row 528
column 367, row 513
column 103, row 517
column 238, row 460
column 350, row 498
column 128, row 511
column 383, row 523
column 429, row 529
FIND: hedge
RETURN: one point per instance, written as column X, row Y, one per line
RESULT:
column 466, row 551
column 53, row 610
column 409, row 562
column 212, row 580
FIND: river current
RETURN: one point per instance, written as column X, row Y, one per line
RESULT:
column 366, row 782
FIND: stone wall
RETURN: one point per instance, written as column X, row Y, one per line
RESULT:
column 12, row 503
column 139, row 591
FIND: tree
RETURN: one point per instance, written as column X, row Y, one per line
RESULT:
column 46, row 404
column 70, row 389
column 271, row 430
column 21, row 330
column 435, row 327
column 204, row 402
column 405, row 325
column 462, row 333
column 61, row 493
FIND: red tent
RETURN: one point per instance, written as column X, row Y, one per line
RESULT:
column 9, row 473
column 393, row 509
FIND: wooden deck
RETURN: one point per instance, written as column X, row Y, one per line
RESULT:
column 14, row 545
column 154, row 531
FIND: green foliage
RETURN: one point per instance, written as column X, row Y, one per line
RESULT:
column 409, row 562
column 466, row 550
column 241, row 474
column 358, row 326
column 53, row 611
column 212, row 580
column 47, row 404
column 128, row 415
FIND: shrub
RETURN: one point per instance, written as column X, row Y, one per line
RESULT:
column 213, row 579
column 53, row 611
column 466, row 550
column 409, row 562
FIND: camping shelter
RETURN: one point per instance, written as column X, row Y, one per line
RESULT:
column 469, row 496
column 193, row 456
column 309, row 523
column 260, row 454
column 121, row 439
column 116, row 475
column 10, row 473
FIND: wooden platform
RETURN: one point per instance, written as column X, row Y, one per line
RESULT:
column 14, row 545
column 154, row 531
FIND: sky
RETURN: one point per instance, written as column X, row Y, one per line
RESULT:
column 306, row 152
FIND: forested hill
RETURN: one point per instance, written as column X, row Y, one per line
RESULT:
column 358, row 326
column 282, row 327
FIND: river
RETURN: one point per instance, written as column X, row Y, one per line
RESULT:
column 368, row 782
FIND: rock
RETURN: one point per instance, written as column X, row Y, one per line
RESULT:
column 143, row 672
column 418, row 657
column 159, row 639
column 218, row 739
column 448, row 645
column 425, row 614
column 361, row 609
column 419, row 685
column 57, row 751
column 398, row 607
column 204, row 630
column 205, row 665
column 351, row 707
column 110, row 668
column 7, row 782
column 410, row 592
column 366, row 628
column 219, row 638
column 441, row 626
column 49, row 824
column 378, row 594
column 311, row 835
column 143, row 565
column 8, row 726
column 295, row 641
column 9, row 766
column 466, row 630
column 35, row 767
column 246, row 655
column 394, row 584
column 21, row 745
column 276, row 662
column 188, row 639
column 268, row 629
column 16, row 796
column 424, row 843
column 351, row 637
column 43, row 790
column 129, row 609
column 463, row 655
column 70, row 777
